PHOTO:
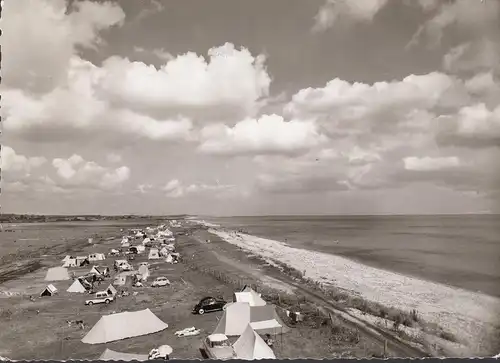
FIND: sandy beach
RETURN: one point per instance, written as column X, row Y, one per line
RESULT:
column 470, row 316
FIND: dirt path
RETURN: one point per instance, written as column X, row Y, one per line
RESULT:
column 394, row 344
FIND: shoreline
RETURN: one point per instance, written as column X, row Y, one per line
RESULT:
column 470, row 316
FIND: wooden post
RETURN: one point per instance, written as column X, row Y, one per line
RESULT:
column 331, row 319
column 385, row 348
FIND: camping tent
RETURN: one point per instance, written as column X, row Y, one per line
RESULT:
column 57, row 274
column 249, row 296
column 111, row 290
column 68, row 257
column 82, row 260
column 251, row 346
column 76, row 286
column 238, row 315
column 117, row 356
column 164, row 252
column 124, row 325
column 49, row 290
column 70, row 262
column 153, row 254
column 96, row 257
column 99, row 270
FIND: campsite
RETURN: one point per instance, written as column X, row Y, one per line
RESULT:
column 139, row 318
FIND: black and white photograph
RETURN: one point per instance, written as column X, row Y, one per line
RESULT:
column 249, row 179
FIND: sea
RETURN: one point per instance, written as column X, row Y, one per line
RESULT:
column 457, row 250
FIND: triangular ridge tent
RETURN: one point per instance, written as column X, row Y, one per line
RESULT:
column 49, row 290
column 153, row 254
column 251, row 346
column 76, row 286
column 109, row 354
column 249, row 296
column 57, row 274
column 111, row 290
column 124, row 325
column 68, row 257
column 237, row 316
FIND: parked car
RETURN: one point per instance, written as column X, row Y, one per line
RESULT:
column 101, row 297
column 217, row 346
column 160, row 281
column 209, row 304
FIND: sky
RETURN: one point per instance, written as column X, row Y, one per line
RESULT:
column 258, row 107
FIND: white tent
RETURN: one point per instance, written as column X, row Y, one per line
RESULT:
column 109, row 354
column 124, row 325
column 111, row 290
column 96, row 257
column 49, row 290
column 251, row 346
column 164, row 252
column 249, row 296
column 238, row 315
column 68, row 257
column 57, row 274
column 76, row 286
column 153, row 254
column 497, row 356
column 144, row 272
column 70, row 262
column 146, row 240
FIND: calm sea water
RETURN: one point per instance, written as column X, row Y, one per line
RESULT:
column 462, row 251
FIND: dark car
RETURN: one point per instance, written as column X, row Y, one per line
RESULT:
column 209, row 304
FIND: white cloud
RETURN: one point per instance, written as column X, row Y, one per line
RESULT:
column 11, row 162
column 430, row 164
column 176, row 189
column 475, row 17
column 231, row 77
column 335, row 10
column 75, row 172
column 268, row 134
column 480, row 55
column 49, row 38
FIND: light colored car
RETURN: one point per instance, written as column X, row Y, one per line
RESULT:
column 160, row 281
column 101, row 297
column 217, row 346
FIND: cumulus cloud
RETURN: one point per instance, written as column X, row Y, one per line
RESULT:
column 268, row 134
column 347, row 109
column 357, row 11
column 113, row 158
column 231, row 78
column 11, row 162
column 176, row 189
column 75, row 172
column 49, row 33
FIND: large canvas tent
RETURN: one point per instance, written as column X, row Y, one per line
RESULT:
column 109, row 354
column 97, row 257
column 153, row 254
column 57, row 274
column 249, row 296
column 76, row 286
column 237, row 316
column 251, row 346
column 49, row 290
column 124, row 325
